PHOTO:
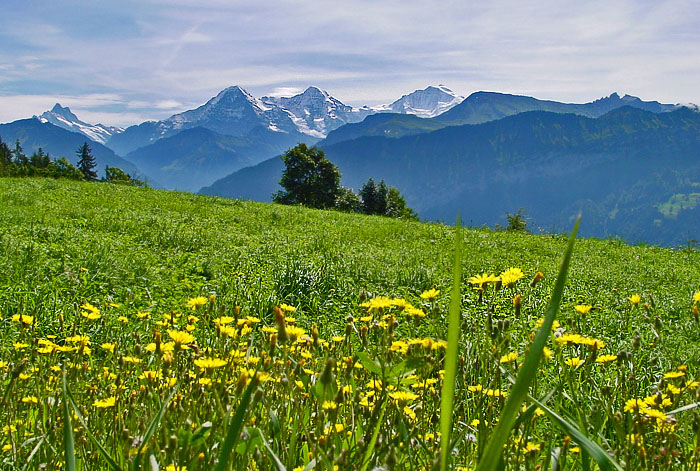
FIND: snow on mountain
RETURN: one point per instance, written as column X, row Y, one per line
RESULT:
column 64, row 118
column 315, row 112
column 426, row 103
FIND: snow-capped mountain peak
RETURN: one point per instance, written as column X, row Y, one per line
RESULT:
column 63, row 117
column 315, row 112
column 426, row 103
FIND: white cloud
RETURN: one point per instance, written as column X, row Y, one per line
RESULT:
column 278, row 92
column 182, row 52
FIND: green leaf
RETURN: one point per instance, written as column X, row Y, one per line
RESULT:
column 604, row 460
column 311, row 465
column 528, row 371
column 452, row 353
column 68, row 442
column 275, row 459
column 369, row 364
column 34, row 452
column 380, row 407
column 235, row 426
column 110, row 461
column 150, row 430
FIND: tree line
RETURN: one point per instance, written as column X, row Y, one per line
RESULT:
column 15, row 163
column 312, row 180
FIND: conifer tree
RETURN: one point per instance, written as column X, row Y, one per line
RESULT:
column 87, row 162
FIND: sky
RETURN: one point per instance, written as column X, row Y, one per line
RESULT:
column 123, row 62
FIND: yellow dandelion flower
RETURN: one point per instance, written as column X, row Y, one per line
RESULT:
column 430, row 294
column 329, row 405
column 23, row 319
column 511, row 276
column 696, row 297
column 108, row 346
column 655, row 414
column 510, row 357
column 181, row 339
column 30, row 400
column 378, row 303
column 583, row 308
column 403, row 397
column 287, row 307
column 223, row 320
column 531, row 448
column 573, row 362
column 635, row 299
column 194, row 303
column 210, row 363
column 483, row 279
column 635, row 405
column 105, row 403
column 130, row 359
column 90, row 308
column 606, row 359
column 674, row 374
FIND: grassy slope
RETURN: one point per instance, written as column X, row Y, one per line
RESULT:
column 148, row 248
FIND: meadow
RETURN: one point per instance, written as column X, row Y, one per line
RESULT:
column 144, row 329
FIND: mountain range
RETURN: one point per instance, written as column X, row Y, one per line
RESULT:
column 630, row 165
column 632, row 173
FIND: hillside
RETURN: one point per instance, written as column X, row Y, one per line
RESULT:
column 33, row 134
column 622, row 170
column 147, row 294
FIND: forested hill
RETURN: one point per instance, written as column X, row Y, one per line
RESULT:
column 633, row 173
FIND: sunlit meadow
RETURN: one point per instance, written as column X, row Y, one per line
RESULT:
column 200, row 333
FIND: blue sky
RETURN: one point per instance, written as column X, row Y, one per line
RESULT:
column 122, row 62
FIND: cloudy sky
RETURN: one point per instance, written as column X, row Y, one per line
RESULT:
column 122, row 61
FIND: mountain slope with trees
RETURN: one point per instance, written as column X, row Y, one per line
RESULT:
column 34, row 134
column 633, row 173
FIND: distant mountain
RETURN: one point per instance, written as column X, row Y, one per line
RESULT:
column 480, row 107
column 315, row 112
column 242, row 131
column 426, row 103
column 633, row 173
column 33, row 134
column 383, row 124
column 233, row 112
column 199, row 156
column 64, row 118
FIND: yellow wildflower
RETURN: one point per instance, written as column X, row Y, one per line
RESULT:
column 430, row 294
column 511, row 276
column 194, row 303
column 104, row 403
column 210, row 363
column 583, row 308
column 23, row 319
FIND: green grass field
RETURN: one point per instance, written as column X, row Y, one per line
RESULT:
column 163, row 309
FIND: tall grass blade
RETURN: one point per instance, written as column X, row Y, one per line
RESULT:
column 68, row 442
column 375, row 434
column 235, row 426
column 275, row 459
column 33, row 453
column 110, row 461
column 604, row 460
column 151, row 430
column 448, row 385
column 494, row 447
